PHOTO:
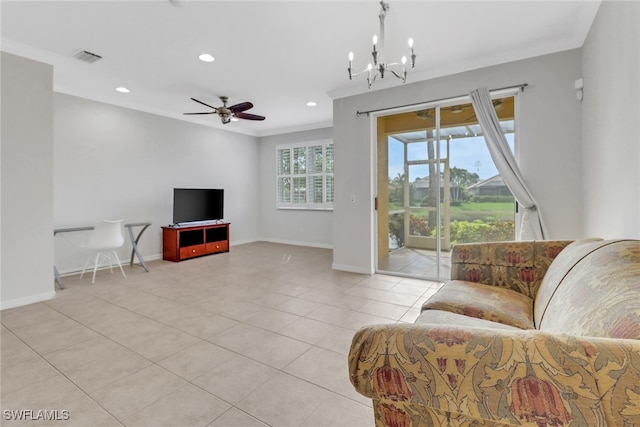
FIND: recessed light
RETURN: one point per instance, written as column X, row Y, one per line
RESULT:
column 205, row 57
column 234, row 119
column 122, row 89
column 311, row 104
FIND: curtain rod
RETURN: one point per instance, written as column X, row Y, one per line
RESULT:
column 521, row 86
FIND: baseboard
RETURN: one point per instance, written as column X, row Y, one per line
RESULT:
column 242, row 242
column 125, row 262
column 352, row 269
column 153, row 257
column 32, row 299
column 296, row 243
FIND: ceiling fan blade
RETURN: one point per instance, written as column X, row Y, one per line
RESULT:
column 210, row 112
column 206, row 105
column 243, row 106
column 248, row 116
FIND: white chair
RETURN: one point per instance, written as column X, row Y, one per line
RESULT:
column 106, row 237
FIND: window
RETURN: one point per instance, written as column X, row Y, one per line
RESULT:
column 304, row 175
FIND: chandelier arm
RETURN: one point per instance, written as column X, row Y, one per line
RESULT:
column 394, row 64
column 352, row 74
column 371, row 80
column 403, row 77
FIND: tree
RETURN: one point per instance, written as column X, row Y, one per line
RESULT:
column 399, row 179
column 461, row 179
column 396, row 188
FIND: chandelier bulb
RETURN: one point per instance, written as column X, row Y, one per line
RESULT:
column 411, row 43
column 350, row 56
column 375, row 39
column 404, row 60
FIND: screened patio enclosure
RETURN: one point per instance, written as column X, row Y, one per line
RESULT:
column 435, row 180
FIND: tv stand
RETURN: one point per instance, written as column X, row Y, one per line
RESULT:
column 184, row 242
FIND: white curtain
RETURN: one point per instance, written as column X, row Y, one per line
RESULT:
column 531, row 224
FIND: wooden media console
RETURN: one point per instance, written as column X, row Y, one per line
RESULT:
column 180, row 243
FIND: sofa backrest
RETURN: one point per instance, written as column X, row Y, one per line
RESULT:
column 600, row 295
column 561, row 265
column 519, row 266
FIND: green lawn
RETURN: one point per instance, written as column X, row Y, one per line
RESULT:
column 483, row 210
column 472, row 211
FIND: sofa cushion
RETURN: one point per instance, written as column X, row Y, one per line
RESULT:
column 561, row 265
column 487, row 302
column 439, row 317
column 519, row 266
column 600, row 296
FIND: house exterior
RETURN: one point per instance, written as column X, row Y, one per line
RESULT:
column 421, row 188
column 493, row 186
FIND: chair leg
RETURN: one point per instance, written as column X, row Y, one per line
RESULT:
column 95, row 267
column 108, row 257
column 119, row 265
column 111, row 256
column 86, row 264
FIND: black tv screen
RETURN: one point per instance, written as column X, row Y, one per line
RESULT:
column 197, row 204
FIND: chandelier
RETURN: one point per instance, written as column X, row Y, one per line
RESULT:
column 379, row 67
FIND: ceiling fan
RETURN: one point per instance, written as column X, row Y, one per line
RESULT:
column 228, row 113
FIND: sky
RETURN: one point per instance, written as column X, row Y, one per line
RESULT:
column 467, row 153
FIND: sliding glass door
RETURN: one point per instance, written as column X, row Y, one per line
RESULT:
column 438, row 186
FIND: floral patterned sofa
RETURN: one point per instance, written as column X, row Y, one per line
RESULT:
column 543, row 333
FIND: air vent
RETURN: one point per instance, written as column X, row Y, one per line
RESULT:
column 87, row 56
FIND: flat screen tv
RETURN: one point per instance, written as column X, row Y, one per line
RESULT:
column 197, row 204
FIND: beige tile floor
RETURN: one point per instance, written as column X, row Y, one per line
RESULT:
column 417, row 263
column 257, row 336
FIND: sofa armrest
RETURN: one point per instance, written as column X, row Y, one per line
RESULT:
column 499, row 376
column 519, row 266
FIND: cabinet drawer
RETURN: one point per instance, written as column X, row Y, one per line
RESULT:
column 191, row 251
column 221, row 246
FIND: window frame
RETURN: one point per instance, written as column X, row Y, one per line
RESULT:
column 308, row 173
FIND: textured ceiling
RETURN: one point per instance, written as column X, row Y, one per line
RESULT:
column 278, row 55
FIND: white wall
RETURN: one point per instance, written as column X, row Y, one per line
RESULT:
column 611, row 122
column 549, row 155
column 301, row 227
column 112, row 162
column 26, row 182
